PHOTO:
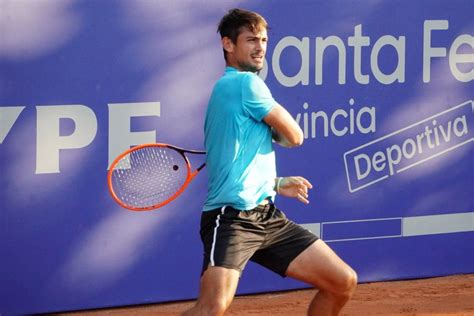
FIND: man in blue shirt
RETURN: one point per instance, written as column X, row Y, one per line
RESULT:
column 240, row 222
column 239, row 145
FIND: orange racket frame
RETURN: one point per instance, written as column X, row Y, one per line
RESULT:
column 189, row 178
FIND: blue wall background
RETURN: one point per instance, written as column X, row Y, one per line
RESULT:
column 75, row 74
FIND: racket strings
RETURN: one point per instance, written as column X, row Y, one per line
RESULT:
column 149, row 176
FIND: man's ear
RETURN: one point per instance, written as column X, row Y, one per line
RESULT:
column 227, row 44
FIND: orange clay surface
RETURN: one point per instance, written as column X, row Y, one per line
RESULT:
column 452, row 295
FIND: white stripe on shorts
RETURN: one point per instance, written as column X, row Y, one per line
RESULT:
column 215, row 236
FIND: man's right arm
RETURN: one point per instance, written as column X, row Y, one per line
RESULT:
column 285, row 131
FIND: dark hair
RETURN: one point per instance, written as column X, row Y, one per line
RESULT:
column 235, row 20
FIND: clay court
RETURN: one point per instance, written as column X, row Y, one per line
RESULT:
column 451, row 295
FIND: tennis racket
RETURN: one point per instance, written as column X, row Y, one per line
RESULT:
column 150, row 176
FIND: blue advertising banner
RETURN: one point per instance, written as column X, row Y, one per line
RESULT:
column 383, row 91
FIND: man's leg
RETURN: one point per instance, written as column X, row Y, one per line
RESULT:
column 218, row 286
column 321, row 267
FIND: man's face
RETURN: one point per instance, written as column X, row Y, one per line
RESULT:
column 249, row 51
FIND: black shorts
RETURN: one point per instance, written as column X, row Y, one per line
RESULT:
column 264, row 235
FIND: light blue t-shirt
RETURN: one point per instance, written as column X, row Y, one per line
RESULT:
column 240, row 159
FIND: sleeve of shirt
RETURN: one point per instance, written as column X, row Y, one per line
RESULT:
column 256, row 97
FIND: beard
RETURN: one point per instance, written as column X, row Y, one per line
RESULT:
column 250, row 67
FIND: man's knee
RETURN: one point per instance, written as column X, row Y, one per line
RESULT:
column 346, row 284
column 218, row 287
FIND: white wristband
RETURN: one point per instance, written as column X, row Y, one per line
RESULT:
column 277, row 186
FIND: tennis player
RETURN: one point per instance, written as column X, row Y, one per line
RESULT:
column 240, row 221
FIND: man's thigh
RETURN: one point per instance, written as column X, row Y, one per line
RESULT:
column 285, row 241
column 218, row 283
column 321, row 267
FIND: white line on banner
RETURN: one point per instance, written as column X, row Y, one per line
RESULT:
column 409, row 226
